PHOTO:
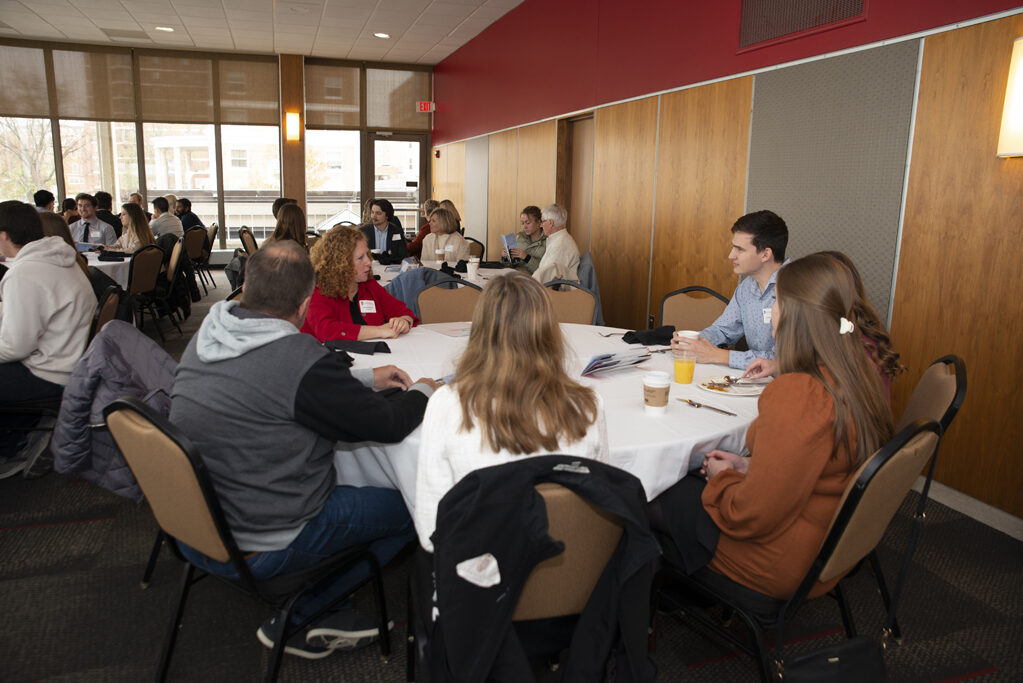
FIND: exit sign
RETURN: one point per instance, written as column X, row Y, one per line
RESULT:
column 425, row 107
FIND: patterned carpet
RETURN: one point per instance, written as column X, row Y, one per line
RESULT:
column 73, row 555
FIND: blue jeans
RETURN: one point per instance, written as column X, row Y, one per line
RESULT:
column 350, row 516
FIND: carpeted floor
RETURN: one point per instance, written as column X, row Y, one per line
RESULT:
column 72, row 556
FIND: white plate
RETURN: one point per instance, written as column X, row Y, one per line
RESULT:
column 732, row 390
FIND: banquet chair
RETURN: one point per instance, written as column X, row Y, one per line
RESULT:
column 448, row 301
column 572, row 302
column 195, row 248
column 165, row 288
column 235, row 294
column 476, row 248
column 557, row 587
column 692, row 308
column 106, row 310
column 143, row 274
column 177, row 485
column 868, row 504
column 248, row 240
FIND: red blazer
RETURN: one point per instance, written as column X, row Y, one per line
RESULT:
column 331, row 318
column 415, row 247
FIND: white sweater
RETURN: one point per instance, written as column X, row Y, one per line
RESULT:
column 560, row 261
column 46, row 306
column 446, row 454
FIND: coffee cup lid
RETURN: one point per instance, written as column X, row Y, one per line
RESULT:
column 657, row 379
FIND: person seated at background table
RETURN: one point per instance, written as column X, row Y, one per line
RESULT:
column 560, row 260
column 282, row 401
column 44, row 200
column 69, row 210
column 104, row 210
column 415, row 247
column 183, row 210
column 47, row 308
column 383, row 235
column 876, row 341
column 531, row 240
column 449, row 206
column 758, row 252
column 136, row 198
column 444, row 237
column 164, row 222
column 291, row 224
column 279, row 202
column 89, row 228
column 135, row 233
column 511, row 398
column 347, row 302
column 818, row 422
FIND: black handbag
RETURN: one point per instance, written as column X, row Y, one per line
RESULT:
column 857, row 660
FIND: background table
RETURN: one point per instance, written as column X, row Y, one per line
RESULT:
column 656, row 449
column 116, row 270
column 485, row 275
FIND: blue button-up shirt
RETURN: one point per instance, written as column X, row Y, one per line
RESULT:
column 749, row 314
column 381, row 238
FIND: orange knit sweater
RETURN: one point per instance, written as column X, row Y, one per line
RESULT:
column 773, row 519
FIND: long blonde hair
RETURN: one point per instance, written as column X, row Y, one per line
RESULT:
column 138, row 224
column 814, row 294
column 512, row 379
column 332, row 260
column 291, row 224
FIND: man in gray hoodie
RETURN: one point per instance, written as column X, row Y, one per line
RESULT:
column 278, row 402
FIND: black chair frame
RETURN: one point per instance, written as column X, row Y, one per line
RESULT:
column 554, row 284
column 686, row 290
column 245, row 230
column 280, row 593
column 737, row 598
column 483, row 253
column 143, row 301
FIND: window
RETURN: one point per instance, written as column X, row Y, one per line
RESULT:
column 179, row 160
column 252, row 179
column 99, row 155
column 332, row 176
column 26, row 158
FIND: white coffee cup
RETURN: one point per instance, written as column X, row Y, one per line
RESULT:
column 655, row 392
column 472, row 268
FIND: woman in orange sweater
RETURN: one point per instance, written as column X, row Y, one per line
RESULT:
column 818, row 422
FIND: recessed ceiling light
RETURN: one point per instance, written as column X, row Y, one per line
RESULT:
column 382, row 35
column 168, row 29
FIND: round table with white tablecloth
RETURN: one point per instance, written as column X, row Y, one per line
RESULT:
column 116, row 270
column 656, row 449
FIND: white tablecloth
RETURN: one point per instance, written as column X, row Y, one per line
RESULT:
column 388, row 273
column 656, row 449
column 116, row 270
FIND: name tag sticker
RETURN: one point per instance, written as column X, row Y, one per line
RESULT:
column 449, row 247
column 367, row 306
column 767, row 316
column 395, row 238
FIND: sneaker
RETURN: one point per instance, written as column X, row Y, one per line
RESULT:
column 345, row 629
column 38, row 456
column 9, row 468
column 296, row 644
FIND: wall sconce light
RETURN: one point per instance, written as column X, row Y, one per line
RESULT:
column 1010, row 137
column 292, row 126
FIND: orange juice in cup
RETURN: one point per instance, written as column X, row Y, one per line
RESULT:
column 684, row 368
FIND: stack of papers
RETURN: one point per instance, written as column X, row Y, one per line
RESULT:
column 603, row 362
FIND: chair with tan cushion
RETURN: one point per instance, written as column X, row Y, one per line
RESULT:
column 448, row 301
column 572, row 302
column 195, row 248
column 143, row 275
column 868, row 505
column 106, row 309
column 476, row 248
column 248, row 240
column 692, row 308
column 175, row 481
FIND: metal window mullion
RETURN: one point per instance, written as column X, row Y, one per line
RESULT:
column 219, row 152
column 58, row 149
column 140, row 140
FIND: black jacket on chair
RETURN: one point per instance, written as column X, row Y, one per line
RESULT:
column 496, row 510
column 396, row 249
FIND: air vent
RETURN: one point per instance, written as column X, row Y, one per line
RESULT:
column 118, row 34
column 768, row 20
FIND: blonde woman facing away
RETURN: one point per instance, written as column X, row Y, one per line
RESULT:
column 511, row 398
column 135, row 232
column 347, row 302
column 444, row 237
column 291, row 224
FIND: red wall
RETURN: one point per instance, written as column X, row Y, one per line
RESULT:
column 551, row 57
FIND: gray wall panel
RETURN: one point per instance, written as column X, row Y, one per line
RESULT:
column 477, row 168
column 828, row 154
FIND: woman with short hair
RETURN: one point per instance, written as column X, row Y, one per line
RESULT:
column 511, row 398
column 347, row 302
column 822, row 418
column 444, row 237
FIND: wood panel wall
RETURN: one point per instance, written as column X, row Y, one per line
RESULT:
column 958, row 288
column 701, row 186
column 537, row 159
column 455, row 185
column 293, row 151
column 438, row 172
column 580, row 192
column 501, row 189
column 623, row 199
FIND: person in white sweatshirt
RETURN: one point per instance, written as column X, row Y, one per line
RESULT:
column 46, row 305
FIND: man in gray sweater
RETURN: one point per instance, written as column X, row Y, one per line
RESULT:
column 264, row 404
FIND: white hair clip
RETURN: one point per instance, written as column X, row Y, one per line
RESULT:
column 845, row 326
